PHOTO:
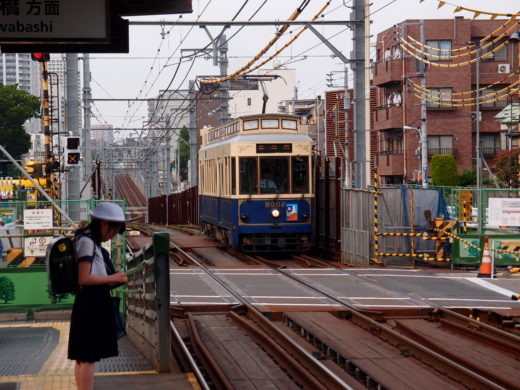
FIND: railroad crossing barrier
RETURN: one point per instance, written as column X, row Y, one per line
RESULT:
column 148, row 302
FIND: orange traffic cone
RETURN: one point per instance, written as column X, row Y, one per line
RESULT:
column 485, row 265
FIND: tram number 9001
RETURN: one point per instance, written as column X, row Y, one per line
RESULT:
column 274, row 204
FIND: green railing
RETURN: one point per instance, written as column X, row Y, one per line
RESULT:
column 147, row 301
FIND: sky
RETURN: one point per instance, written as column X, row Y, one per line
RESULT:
column 154, row 62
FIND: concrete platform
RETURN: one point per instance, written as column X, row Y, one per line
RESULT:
column 34, row 356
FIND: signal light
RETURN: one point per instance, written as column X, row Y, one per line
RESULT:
column 72, row 158
column 72, row 142
column 40, row 57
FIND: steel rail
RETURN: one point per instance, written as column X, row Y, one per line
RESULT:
column 198, row 374
column 216, row 374
column 440, row 363
column 315, row 367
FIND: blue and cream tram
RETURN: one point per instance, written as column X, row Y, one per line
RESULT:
column 255, row 183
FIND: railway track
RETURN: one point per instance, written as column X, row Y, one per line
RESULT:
column 347, row 348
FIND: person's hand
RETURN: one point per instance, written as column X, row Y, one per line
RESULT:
column 119, row 277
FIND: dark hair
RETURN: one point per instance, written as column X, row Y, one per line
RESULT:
column 266, row 170
column 94, row 228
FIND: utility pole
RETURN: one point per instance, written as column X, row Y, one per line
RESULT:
column 346, row 107
column 87, row 96
column 193, row 172
column 423, row 135
column 360, row 66
column 72, row 120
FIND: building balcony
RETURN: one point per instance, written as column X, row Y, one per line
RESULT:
column 388, row 71
column 390, row 163
column 490, row 151
column 389, row 117
column 433, row 151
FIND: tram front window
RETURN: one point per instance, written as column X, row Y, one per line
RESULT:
column 248, row 175
column 300, row 175
column 274, row 175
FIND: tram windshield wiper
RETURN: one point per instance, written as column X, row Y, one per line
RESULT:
column 276, row 196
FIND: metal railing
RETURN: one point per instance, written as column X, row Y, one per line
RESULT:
column 147, row 300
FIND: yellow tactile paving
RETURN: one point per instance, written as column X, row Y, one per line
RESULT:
column 58, row 372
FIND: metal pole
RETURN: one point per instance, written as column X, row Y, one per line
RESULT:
column 87, row 92
column 161, row 247
column 194, row 139
column 423, row 135
column 72, row 119
column 481, row 215
column 360, row 99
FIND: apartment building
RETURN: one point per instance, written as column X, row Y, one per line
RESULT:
column 435, row 98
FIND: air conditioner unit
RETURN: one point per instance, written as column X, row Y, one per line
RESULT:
column 504, row 68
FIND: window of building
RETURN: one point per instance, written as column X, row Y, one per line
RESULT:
column 499, row 55
column 489, row 144
column 393, row 144
column 492, row 101
column 443, row 49
column 248, row 101
column 440, row 144
column 433, row 99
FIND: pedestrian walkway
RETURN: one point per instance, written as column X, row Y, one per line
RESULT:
column 33, row 356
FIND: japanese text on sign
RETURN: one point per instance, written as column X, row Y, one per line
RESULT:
column 58, row 19
column 37, row 219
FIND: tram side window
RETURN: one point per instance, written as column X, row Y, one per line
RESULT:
column 300, row 175
column 275, row 174
column 248, row 175
column 233, row 176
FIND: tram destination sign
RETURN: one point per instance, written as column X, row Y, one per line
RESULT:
column 45, row 21
column 274, row 148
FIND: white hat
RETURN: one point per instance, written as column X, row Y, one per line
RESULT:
column 108, row 211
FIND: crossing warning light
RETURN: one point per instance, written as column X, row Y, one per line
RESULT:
column 40, row 57
column 72, row 143
column 72, row 158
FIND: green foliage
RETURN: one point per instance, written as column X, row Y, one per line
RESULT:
column 6, row 289
column 507, row 167
column 468, row 177
column 184, row 150
column 16, row 106
column 444, row 170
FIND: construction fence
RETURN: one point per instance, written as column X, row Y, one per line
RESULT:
column 27, row 227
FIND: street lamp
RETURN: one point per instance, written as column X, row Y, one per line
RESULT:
column 424, row 153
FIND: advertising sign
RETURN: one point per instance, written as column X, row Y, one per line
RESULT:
column 53, row 21
column 37, row 219
column 36, row 246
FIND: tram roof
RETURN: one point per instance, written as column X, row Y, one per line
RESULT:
column 259, row 137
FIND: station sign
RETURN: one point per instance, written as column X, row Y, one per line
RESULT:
column 44, row 21
column 36, row 246
column 37, row 219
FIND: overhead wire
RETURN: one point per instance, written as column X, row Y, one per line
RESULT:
column 273, row 40
column 476, row 12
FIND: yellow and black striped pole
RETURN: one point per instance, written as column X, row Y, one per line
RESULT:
column 412, row 227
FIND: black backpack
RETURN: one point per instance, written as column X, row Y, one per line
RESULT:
column 62, row 268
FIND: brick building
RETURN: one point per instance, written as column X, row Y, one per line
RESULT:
column 451, row 120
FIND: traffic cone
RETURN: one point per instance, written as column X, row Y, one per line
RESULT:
column 485, row 265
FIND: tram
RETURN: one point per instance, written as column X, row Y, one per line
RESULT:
column 255, row 184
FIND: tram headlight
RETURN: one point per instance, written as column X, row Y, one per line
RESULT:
column 244, row 218
column 275, row 213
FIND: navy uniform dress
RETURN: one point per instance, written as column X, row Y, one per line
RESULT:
column 92, row 326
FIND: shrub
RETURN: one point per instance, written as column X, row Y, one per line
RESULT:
column 444, row 170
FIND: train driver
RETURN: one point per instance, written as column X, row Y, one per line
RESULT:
column 267, row 183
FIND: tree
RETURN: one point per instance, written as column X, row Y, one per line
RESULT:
column 184, row 151
column 6, row 289
column 508, row 167
column 468, row 177
column 16, row 107
column 444, row 170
